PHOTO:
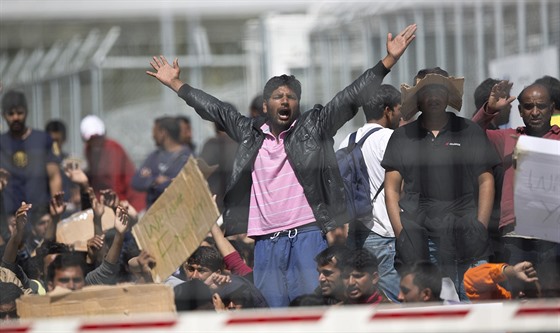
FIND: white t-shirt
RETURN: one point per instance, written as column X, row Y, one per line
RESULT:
column 373, row 151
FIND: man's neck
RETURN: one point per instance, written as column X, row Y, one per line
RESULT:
column 23, row 134
column 537, row 133
column 435, row 122
column 381, row 122
column 172, row 146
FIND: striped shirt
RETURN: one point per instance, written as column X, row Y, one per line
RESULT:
column 277, row 198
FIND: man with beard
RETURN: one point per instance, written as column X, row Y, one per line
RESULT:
column 361, row 278
column 329, row 265
column 285, row 190
column 162, row 165
column 27, row 155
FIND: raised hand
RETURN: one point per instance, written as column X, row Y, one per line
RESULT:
column 132, row 213
column 499, row 98
column 76, row 174
column 121, row 220
column 97, row 207
column 396, row 46
column 523, row 271
column 109, row 198
column 21, row 218
column 166, row 73
column 216, row 279
column 94, row 244
column 57, row 206
column 142, row 263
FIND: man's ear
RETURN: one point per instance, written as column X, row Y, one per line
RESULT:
column 264, row 107
column 387, row 110
column 388, row 113
column 426, row 294
column 50, row 286
column 375, row 277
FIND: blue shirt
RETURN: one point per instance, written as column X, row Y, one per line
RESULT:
column 159, row 163
column 26, row 161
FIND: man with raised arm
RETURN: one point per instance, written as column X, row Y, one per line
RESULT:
column 285, row 190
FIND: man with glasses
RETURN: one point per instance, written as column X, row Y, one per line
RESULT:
column 535, row 107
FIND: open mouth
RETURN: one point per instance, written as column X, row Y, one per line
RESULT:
column 353, row 292
column 284, row 114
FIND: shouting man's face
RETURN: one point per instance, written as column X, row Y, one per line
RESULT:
column 282, row 109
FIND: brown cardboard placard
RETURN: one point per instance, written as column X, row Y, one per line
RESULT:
column 122, row 299
column 178, row 221
column 76, row 229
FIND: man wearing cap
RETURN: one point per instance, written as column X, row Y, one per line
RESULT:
column 109, row 166
column 444, row 164
column 28, row 157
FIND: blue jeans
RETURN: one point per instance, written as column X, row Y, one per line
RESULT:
column 285, row 266
column 383, row 248
column 459, row 270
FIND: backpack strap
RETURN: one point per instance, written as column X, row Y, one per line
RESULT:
column 378, row 191
column 364, row 138
column 361, row 143
column 352, row 141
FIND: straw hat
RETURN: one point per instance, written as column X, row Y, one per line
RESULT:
column 454, row 86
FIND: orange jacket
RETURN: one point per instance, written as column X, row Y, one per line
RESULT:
column 482, row 282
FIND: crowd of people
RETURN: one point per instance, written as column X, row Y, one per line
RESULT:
column 442, row 227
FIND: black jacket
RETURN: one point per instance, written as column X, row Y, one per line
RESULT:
column 309, row 146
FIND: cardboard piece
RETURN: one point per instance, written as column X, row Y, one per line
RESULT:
column 123, row 299
column 177, row 222
column 76, row 229
column 537, row 188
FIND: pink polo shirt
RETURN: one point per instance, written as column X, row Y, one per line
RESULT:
column 277, row 198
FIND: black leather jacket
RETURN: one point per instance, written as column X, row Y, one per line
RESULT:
column 309, row 146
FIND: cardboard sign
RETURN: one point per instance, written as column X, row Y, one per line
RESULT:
column 537, row 188
column 76, row 229
column 124, row 299
column 178, row 221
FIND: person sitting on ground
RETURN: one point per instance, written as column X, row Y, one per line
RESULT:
column 193, row 295
column 68, row 269
column 228, row 291
column 233, row 260
column 421, row 283
column 486, row 282
column 361, row 277
column 10, row 292
column 308, row 300
column 329, row 265
column 424, row 282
